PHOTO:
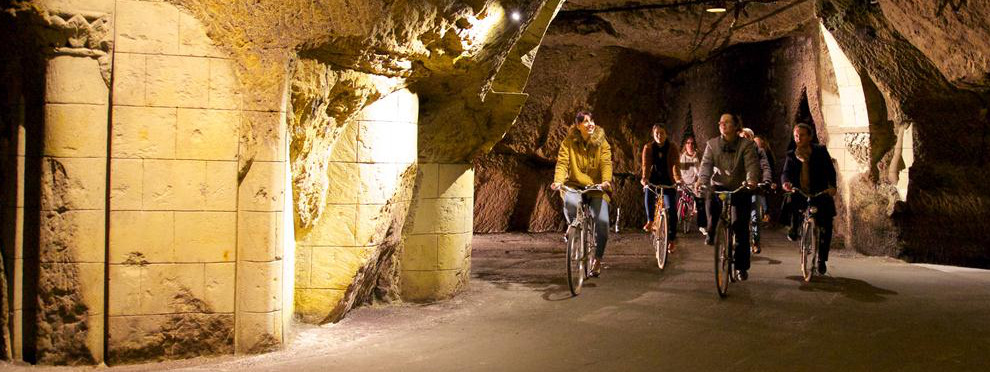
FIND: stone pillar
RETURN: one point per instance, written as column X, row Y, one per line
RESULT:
column 436, row 253
column 71, row 215
column 12, row 162
column 366, row 168
column 174, row 203
column 260, row 226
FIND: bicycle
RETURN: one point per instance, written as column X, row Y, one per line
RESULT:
column 809, row 237
column 686, row 208
column 723, row 243
column 580, row 238
column 658, row 232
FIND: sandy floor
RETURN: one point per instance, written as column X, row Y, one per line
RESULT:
column 868, row 314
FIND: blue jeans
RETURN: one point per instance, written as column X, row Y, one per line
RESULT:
column 599, row 211
column 669, row 207
column 756, row 217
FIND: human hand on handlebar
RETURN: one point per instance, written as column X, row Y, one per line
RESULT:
column 788, row 187
column 555, row 186
column 607, row 186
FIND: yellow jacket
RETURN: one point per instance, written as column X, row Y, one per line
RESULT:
column 582, row 163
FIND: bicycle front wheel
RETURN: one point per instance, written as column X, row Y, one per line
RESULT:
column 723, row 259
column 809, row 249
column 589, row 247
column 683, row 214
column 660, row 241
column 575, row 259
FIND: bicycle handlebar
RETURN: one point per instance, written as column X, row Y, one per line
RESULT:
column 653, row 187
column 799, row 191
column 597, row 187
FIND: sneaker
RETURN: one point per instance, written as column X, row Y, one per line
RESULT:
column 671, row 247
column 703, row 230
column 596, row 268
column 648, row 226
column 792, row 235
column 822, row 268
column 742, row 274
column 756, row 248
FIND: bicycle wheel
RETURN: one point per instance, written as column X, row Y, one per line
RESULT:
column 589, row 245
column 683, row 216
column 809, row 249
column 575, row 259
column 723, row 258
column 660, row 240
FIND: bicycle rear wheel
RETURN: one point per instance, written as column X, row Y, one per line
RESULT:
column 660, row 240
column 809, row 249
column 575, row 259
column 723, row 258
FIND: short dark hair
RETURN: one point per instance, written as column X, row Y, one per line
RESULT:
column 659, row 125
column 580, row 116
column 811, row 131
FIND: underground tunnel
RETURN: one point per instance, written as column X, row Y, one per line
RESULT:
column 186, row 178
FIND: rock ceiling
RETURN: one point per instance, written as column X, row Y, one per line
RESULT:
column 677, row 30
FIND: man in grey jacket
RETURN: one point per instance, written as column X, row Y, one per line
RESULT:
column 729, row 162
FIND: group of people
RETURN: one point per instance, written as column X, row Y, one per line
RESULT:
column 737, row 157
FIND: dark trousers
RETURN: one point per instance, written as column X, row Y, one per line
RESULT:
column 822, row 220
column 701, row 210
column 669, row 207
column 742, row 203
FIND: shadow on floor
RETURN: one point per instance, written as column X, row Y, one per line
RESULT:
column 854, row 289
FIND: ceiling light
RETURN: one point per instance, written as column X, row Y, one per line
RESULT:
column 716, row 7
column 516, row 16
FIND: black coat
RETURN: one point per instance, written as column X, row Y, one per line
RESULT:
column 822, row 176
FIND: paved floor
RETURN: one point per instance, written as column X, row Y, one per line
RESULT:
column 868, row 314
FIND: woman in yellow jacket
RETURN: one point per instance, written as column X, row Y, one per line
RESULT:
column 585, row 159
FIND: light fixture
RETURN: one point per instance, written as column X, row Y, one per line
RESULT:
column 716, row 7
column 515, row 16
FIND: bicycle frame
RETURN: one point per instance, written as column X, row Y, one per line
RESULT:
column 580, row 230
column 808, row 245
column 723, row 243
column 658, row 233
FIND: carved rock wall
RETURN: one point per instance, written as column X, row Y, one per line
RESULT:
column 940, row 220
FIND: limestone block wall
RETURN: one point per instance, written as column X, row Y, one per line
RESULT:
column 436, row 253
column 69, row 216
column 194, row 246
column 366, row 168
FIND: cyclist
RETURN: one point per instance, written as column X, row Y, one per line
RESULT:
column 585, row 159
column 767, row 177
column 690, row 162
column 729, row 162
column 809, row 167
column 661, row 166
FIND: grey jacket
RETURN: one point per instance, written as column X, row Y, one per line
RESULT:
column 729, row 165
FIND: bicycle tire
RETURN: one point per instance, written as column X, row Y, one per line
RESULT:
column 589, row 245
column 575, row 259
column 809, row 249
column 682, row 217
column 660, row 241
column 723, row 259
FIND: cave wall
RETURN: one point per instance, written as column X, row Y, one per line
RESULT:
column 622, row 89
column 910, row 54
column 171, row 153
